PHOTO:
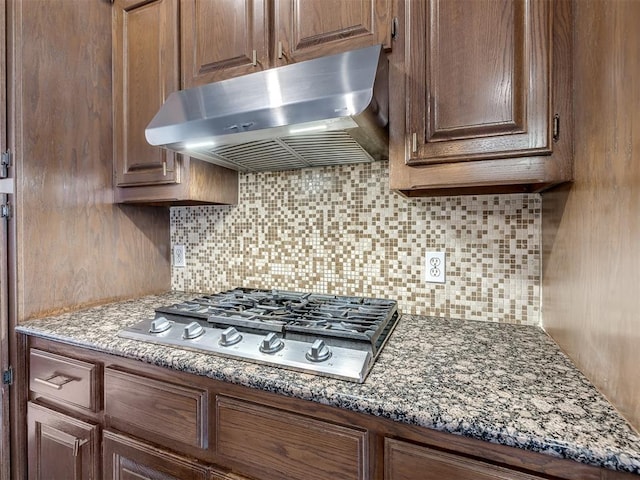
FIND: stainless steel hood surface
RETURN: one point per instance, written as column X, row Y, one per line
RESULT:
column 330, row 110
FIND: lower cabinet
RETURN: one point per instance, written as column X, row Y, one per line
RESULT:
column 288, row 445
column 406, row 461
column 125, row 458
column 61, row 447
column 92, row 415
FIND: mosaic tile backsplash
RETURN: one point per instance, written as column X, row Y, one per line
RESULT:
column 341, row 230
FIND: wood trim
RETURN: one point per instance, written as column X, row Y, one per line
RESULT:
column 5, row 424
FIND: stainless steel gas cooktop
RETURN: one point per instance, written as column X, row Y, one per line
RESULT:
column 334, row 336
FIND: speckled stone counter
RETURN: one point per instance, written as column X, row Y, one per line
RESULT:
column 505, row 384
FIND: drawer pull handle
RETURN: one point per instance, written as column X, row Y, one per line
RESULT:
column 56, row 381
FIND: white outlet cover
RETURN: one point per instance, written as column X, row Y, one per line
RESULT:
column 435, row 267
column 179, row 256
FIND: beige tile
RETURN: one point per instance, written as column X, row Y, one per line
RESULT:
column 340, row 230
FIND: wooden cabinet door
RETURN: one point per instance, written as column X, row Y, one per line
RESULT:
column 305, row 29
column 61, row 447
column 145, row 72
column 478, row 78
column 222, row 39
column 405, row 461
column 128, row 459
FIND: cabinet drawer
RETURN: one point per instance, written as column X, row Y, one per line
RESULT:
column 65, row 379
column 155, row 409
column 406, row 461
column 287, row 445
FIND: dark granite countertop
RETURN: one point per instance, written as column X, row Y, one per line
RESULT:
column 505, row 384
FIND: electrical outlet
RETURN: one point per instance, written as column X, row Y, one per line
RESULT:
column 435, row 267
column 179, row 256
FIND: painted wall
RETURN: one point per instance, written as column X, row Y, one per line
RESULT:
column 341, row 230
column 591, row 231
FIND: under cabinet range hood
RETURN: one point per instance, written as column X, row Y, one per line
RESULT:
column 327, row 111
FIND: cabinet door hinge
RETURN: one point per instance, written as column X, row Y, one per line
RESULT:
column 5, row 163
column 556, row 127
column 5, row 210
column 7, row 376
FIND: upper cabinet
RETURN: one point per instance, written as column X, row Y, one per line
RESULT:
column 221, row 39
column 160, row 46
column 146, row 69
column 145, row 55
column 484, row 90
column 306, row 29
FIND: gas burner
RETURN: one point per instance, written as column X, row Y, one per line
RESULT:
column 328, row 335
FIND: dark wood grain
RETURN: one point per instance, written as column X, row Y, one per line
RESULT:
column 201, row 183
column 218, row 38
column 480, row 125
column 140, row 406
column 313, row 28
column 480, row 79
column 286, row 445
column 145, row 72
column 128, row 459
column 83, row 389
column 61, row 447
column 405, row 461
column 591, row 231
column 146, row 69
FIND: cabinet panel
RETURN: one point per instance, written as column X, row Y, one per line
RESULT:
column 222, row 39
column 60, row 447
column 145, row 72
column 170, row 413
column 64, row 379
column 479, row 79
column 286, row 445
column 127, row 459
column 405, row 461
column 313, row 28
column 467, row 122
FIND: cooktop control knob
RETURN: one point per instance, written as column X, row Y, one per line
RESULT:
column 159, row 325
column 319, row 352
column 229, row 336
column 271, row 344
column 193, row 330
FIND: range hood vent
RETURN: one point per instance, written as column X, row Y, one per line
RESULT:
column 328, row 111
